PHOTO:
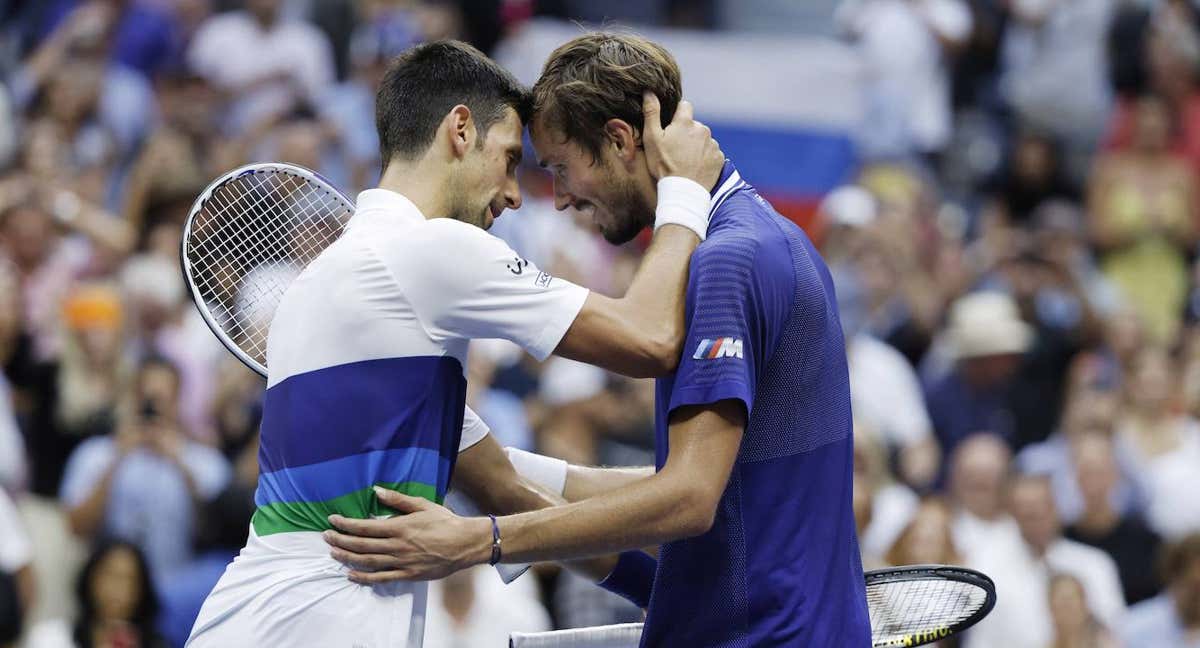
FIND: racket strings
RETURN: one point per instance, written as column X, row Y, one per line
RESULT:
column 903, row 608
column 250, row 239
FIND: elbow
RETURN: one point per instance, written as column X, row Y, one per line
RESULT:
column 697, row 511
column 662, row 353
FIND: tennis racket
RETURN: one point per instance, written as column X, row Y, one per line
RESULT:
column 909, row 606
column 248, row 235
column 246, row 238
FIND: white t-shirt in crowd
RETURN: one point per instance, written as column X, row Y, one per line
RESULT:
column 15, row 550
column 1021, row 618
column 885, row 393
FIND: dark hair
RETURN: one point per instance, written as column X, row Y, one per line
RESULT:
column 1178, row 556
column 144, row 614
column 425, row 82
column 10, row 610
column 599, row 76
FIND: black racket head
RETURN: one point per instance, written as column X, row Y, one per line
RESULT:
column 916, row 605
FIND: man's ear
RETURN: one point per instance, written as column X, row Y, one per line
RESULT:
column 624, row 140
column 460, row 130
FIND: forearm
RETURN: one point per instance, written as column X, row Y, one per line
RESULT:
column 647, row 513
column 584, row 482
column 86, row 516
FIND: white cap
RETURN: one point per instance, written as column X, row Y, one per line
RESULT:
column 987, row 324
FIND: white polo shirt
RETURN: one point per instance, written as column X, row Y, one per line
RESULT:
column 366, row 386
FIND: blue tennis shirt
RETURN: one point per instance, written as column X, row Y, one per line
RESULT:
column 780, row 565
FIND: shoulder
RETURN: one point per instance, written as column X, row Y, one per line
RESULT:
column 745, row 235
column 94, row 449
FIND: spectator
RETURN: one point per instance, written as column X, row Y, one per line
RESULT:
column 144, row 37
column 1089, row 412
column 886, row 505
column 905, row 45
column 1021, row 617
column 72, row 77
column 1172, row 618
column 1074, row 625
column 928, row 538
column 1055, row 66
column 14, row 465
column 986, row 339
column 1144, row 210
column 1164, row 445
column 144, row 482
column 979, row 470
column 270, row 62
column 117, row 602
column 1122, row 535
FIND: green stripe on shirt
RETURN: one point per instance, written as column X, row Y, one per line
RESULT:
column 283, row 517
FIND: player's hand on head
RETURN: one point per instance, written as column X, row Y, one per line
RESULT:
column 684, row 148
column 425, row 542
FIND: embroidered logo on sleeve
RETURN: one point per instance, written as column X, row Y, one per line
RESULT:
column 543, row 280
column 725, row 347
column 517, row 266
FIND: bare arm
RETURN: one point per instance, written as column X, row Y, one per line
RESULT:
column 484, row 473
column 680, row 501
column 584, row 482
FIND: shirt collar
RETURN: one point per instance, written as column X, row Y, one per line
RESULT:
column 728, row 182
column 387, row 204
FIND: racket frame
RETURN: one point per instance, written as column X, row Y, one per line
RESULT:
column 198, row 205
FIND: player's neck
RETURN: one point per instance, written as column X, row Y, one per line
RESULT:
column 418, row 184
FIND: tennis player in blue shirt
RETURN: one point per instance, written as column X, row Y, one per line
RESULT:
column 751, row 496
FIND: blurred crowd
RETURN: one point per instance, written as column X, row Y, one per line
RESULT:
column 1015, row 258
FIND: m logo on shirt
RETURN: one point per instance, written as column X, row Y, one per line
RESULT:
column 725, row 347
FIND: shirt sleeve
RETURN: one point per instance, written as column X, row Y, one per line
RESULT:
column 730, row 332
column 84, row 469
column 473, row 430
column 465, row 283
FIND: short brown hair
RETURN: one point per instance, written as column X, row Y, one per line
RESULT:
column 602, row 75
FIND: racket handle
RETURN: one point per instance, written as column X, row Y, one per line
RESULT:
column 624, row 635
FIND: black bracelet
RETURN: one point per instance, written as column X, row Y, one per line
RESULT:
column 495, row 541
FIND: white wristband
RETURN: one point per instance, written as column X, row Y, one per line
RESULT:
column 682, row 202
column 547, row 472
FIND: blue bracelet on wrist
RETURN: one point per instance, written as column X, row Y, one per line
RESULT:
column 495, row 542
column 632, row 578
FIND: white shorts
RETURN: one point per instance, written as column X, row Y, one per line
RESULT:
column 285, row 590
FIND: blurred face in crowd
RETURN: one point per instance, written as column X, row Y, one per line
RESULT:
column 609, row 188
column 1068, row 605
column 300, row 143
column 1152, row 125
column 927, row 539
column 74, row 91
column 1095, row 467
column 978, row 469
column 190, row 105
column 985, row 372
column 1033, row 160
column 1031, row 503
column 116, row 587
column 158, row 388
column 1151, row 381
column 265, row 11
column 28, row 236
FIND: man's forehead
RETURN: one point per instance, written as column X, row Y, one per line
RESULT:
column 550, row 144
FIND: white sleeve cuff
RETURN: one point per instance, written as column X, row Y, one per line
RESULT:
column 547, row 472
column 682, row 202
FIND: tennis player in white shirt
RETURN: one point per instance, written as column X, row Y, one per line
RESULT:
column 367, row 351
